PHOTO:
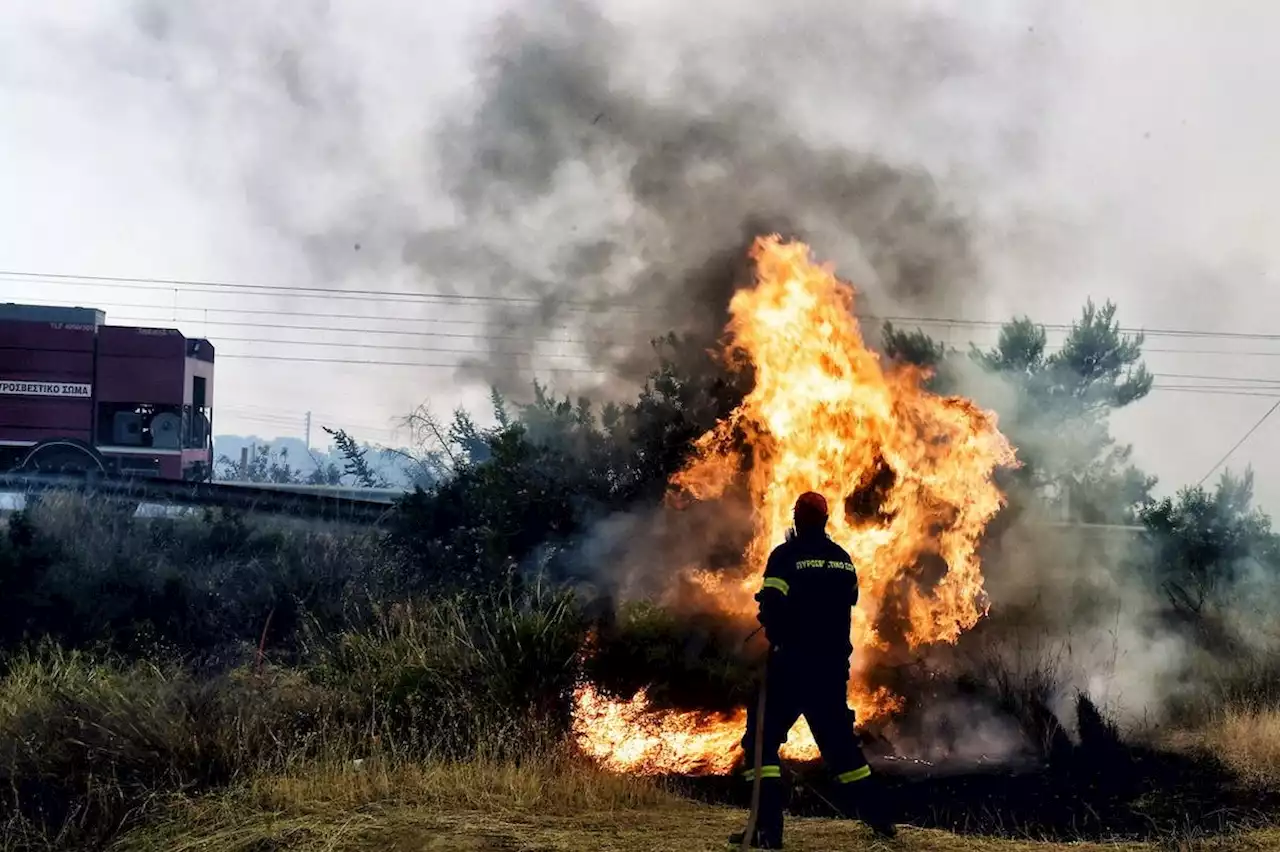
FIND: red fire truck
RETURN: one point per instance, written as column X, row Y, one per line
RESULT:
column 80, row 396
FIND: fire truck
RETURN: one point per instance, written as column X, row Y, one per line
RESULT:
column 78, row 396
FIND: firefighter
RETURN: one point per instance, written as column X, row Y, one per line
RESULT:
column 806, row 601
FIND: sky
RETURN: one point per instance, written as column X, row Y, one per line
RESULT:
column 1100, row 151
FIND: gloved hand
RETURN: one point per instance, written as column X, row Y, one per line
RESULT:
column 775, row 635
column 771, row 618
column 772, row 631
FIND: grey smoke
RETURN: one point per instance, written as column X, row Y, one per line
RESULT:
column 601, row 181
column 596, row 170
column 142, row 129
column 1085, row 603
column 624, row 212
column 683, row 184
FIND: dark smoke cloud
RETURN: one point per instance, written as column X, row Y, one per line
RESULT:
column 602, row 179
column 624, row 213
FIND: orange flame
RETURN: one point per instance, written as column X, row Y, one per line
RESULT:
column 826, row 415
column 626, row 736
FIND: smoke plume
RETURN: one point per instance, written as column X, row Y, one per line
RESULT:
column 621, row 207
column 587, row 176
column 618, row 194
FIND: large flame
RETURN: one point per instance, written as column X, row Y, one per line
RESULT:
column 826, row 415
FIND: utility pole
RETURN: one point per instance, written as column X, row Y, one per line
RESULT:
column 308, row 431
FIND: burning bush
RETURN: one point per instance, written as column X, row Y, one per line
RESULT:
column 912, row 470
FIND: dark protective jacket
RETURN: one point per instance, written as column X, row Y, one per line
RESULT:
column 810, row 588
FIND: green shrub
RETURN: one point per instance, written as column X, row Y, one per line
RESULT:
column 202, row 587
column 463, row 674
column 90, row 743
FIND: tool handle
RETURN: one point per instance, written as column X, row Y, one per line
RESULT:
column 758, row 748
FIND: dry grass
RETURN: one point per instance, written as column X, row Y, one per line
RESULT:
column 537, row 807
column 1250, row 743
column 366, row 804
column 1236, row 719
column 547, row 786
column 1246, row 739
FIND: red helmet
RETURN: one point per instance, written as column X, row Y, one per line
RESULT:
column 811, row 503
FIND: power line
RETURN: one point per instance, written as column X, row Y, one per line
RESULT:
column 300, row 415
column 371, row 363
column 170, row 284
column 445, row 298
column 582, row 340
column 401, row 347
column 1217, row 378
column 1252, row 382
column 367, row 331
column 477, row 336
column 275, row 312
column 1234, row 352
column 530, row 353
column 283, row 421
column 569, row 340
column 1207, row 390
column 1067, row 327
column 1195, row 389
column 286, row 312
column 1237, row 445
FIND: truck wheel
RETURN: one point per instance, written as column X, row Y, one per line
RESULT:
column 65, row 457
column 71, row 458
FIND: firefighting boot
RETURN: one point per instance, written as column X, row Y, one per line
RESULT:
column 768, row 833
column 867, row 800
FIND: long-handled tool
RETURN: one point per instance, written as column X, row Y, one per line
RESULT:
column 753, row 815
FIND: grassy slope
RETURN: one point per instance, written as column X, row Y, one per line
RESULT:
column 487, row 808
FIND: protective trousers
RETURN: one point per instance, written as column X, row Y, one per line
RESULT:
column 819, row 693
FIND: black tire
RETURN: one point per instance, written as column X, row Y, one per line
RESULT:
column 73, row 458
column 63, row 457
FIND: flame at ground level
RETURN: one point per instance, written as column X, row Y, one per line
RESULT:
column 632, row 736
column 629, row 736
